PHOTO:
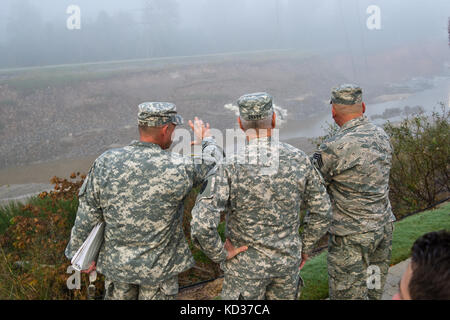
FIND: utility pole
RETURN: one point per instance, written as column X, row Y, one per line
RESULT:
column 278, row 33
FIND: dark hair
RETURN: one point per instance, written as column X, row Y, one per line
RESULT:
column 430, row 278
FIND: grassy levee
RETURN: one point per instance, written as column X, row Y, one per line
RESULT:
column 405, row 233
column 28, row 80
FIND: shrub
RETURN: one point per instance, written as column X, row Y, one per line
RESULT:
column 33, row 238
column 32, row 261
column 420, row 173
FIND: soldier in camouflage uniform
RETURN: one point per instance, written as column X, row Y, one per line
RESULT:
column 138, row 191
column 263, row 207
column 355, row 164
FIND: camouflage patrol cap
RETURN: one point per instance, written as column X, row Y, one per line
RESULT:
column 154, row 114
column 347, row 94
column 255, row 106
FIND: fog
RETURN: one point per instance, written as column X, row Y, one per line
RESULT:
column 35, row 33
column 57, row 120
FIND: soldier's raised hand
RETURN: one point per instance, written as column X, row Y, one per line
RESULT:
column 200, row 130
column 232, row 250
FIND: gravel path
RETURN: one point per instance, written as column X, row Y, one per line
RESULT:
column 21, row 192
column 394, row 276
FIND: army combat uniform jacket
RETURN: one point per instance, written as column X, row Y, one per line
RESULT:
column 263, row 206
column 138, row 191
column 355, row 164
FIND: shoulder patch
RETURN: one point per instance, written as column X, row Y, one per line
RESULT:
column 317, row 158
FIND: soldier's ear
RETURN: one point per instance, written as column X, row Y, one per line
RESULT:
column 274, row 120
column 364, row 107
column 240, row 124
column 165, row 129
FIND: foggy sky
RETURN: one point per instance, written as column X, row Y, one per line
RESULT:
column 117, row 29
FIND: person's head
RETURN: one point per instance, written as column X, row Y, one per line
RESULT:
column 161, row 135
column 256, row 115
column 428, row 274
column 347, row 104
column 157, row 122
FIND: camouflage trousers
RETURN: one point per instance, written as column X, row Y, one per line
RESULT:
column 277, row 288
column 358, row 264
column 166, row 290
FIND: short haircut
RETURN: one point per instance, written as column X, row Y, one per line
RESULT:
column 345, row 109
column 265, row 123
column 149, row 130
column 430, row 264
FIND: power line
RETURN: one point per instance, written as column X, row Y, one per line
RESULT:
column 362, row 36
column 347, row 40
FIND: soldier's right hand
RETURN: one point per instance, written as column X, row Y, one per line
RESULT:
column 232, row 251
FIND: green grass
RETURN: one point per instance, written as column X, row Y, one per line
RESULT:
column 7, row 212
column 405, row 233
column 315, row 277
column 409, row 229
